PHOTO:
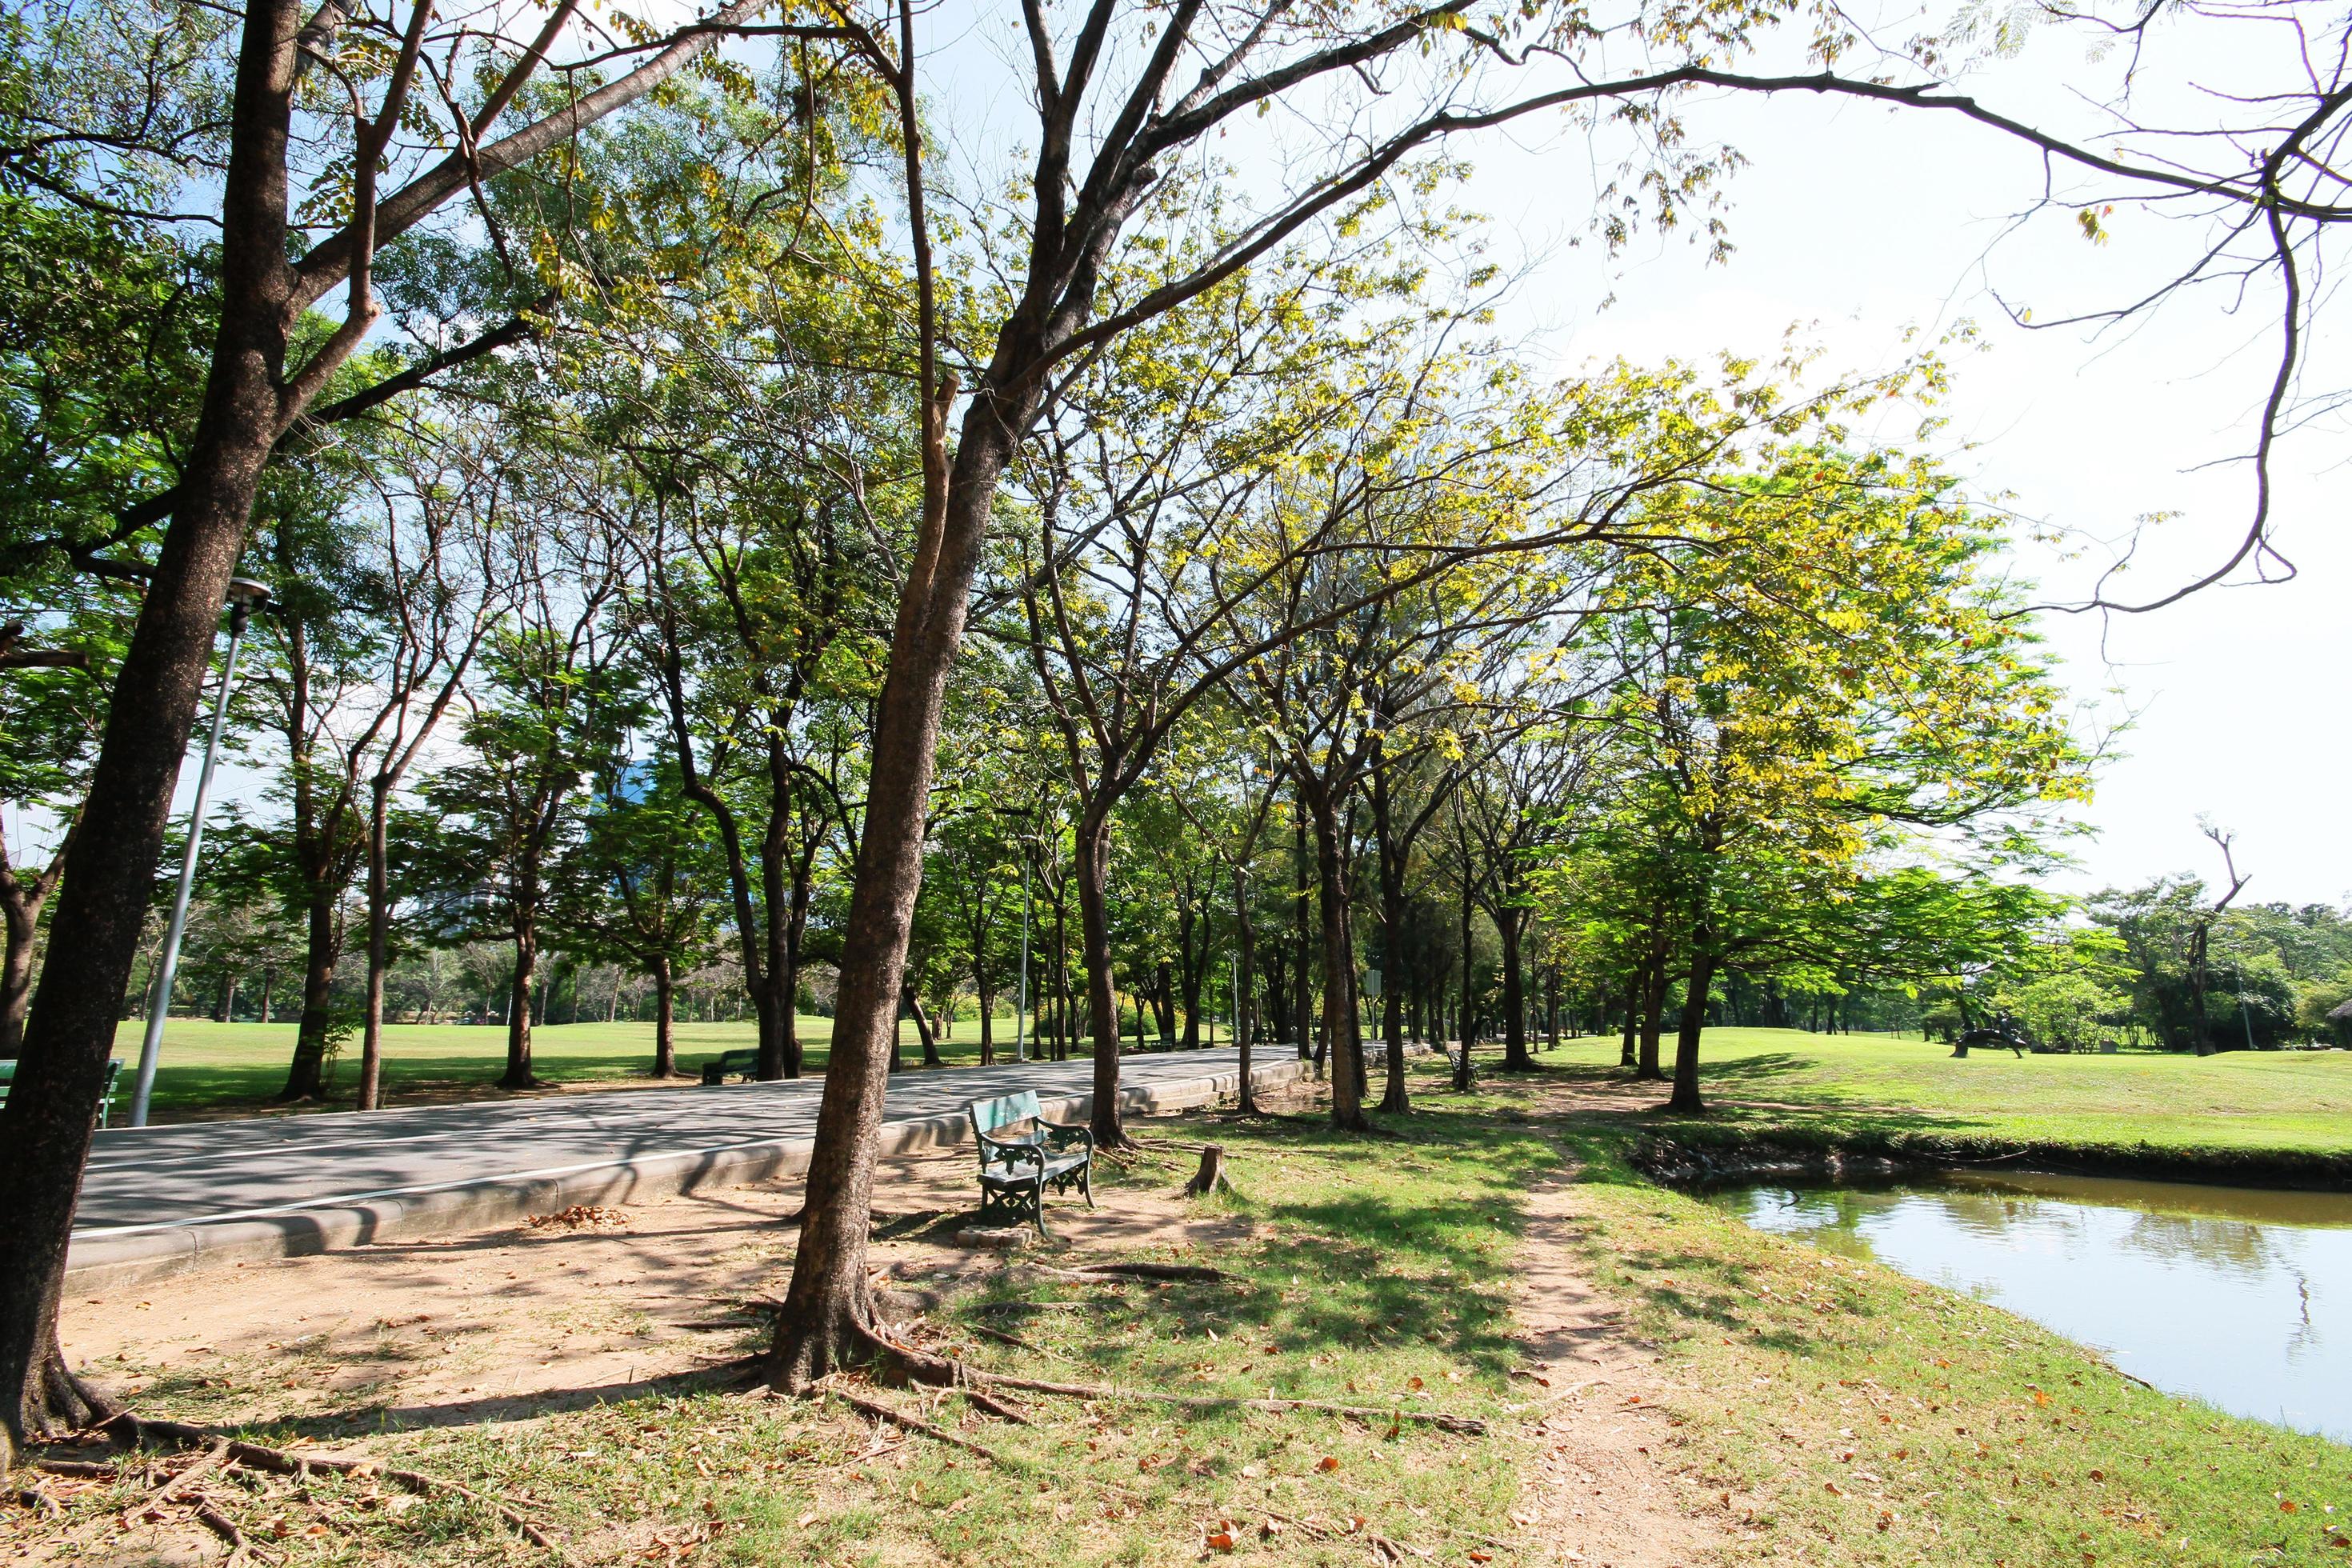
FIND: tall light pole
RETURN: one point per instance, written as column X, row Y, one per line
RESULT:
column 1020, row 1008
column 244, row 595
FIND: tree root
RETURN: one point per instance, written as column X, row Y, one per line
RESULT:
column 912, row 1421
column 220, row 1524
column 1132, row 1271
column 141, row 1431
column 1444, row 1420
column 995, row 1406
column 94, row 1470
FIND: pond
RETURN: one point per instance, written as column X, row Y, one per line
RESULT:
column 2241, row 1297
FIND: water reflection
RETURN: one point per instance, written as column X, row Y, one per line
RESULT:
column 2236, row 1296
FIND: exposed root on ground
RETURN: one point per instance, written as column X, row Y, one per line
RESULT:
column 147, row 1431
column 1130, row 1271
column 884, row 1411
column 922, row 1366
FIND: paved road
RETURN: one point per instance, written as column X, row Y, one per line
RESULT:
column 155, row 1179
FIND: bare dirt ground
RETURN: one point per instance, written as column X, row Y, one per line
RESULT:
column 604, row 1305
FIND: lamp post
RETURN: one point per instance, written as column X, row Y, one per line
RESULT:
column 1021, row 1007
column 244, row 595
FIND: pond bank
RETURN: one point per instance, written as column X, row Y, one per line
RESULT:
column 1698, row 1156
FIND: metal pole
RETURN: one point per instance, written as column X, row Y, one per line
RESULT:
column 168, row 963
column 1021, row 1010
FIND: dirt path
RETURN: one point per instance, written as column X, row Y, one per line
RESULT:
column 1608, row 1486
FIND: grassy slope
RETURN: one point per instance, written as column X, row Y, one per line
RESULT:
column 212, row 1067
column 1759, row 1079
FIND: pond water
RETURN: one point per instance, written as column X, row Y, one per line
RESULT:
column 2241, row 1297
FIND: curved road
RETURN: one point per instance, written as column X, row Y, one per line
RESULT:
column 180, row 1190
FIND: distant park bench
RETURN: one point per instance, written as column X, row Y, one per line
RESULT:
column 745, row 1065
column 1015, row 1170
column 105, row 1101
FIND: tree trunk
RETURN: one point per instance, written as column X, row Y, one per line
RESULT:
column 1192, row 941
column 1090, row 867
column 1654, row 1007
column 1462, row 1076
column 518, row 1074
column 1339, row 1015
column 109, row 872
column 1511, row 925
column 379, row 945
column 1242, row 1020
column 987, row 1022
column 305, row 1077
column 828, row 1310
column 1396, row 1100
column 1301, row 1003
column 1703, row 964
column 22, row 917
column 665, row 1017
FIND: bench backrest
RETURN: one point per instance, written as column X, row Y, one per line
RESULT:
column 988, row 1115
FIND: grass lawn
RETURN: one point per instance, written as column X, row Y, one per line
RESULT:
column 2247, row 1100
column 208, row 1069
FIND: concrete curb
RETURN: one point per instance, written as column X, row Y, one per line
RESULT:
column 108, row 1262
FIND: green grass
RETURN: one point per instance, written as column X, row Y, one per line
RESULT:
column 208, row 1069
column 1764, row 1080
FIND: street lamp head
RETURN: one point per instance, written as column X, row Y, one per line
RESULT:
column 246, row 595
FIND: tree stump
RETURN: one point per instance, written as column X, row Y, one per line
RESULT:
column 1210, row 1177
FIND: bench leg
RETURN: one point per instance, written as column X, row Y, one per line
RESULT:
column 1086, row 1182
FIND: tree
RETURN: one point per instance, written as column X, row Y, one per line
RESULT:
column 640, row 885
column 560, row 700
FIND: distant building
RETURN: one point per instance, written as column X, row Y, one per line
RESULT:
column 2339, row 1021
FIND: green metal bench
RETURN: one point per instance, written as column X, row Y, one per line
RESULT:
column 745, row 1065
column 1015, row 1170
column 105, row 1101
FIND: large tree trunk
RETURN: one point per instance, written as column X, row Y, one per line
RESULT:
column 1694, row 1020
column 109, row 872
column 1340, row 1016
column 827, row 1319
column 1089, row 868
column 665, row 1017
column 305, row 1077
column 1511, row 925
column 518, row 1074
column 1654, row 1007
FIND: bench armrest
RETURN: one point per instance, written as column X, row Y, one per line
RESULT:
column 1061, row 1134
column 1011, row 1151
